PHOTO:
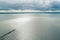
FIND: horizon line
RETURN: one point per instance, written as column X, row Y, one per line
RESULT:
column 29, row 11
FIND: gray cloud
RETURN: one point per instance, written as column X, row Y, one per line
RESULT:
column 29, row 4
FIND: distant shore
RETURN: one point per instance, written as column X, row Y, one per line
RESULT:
column 27, row 11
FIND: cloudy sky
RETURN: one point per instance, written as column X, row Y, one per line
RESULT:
column 29, row 4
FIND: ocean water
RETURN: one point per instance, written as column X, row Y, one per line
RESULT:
column 30, row 25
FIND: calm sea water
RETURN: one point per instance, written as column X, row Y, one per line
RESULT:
column 30, row 26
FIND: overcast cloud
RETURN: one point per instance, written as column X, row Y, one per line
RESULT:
column 29, row 4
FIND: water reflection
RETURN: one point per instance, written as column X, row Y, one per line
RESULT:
column 43, row 26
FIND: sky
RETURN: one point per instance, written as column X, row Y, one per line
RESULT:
column 27, row 1
column 30, row 4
